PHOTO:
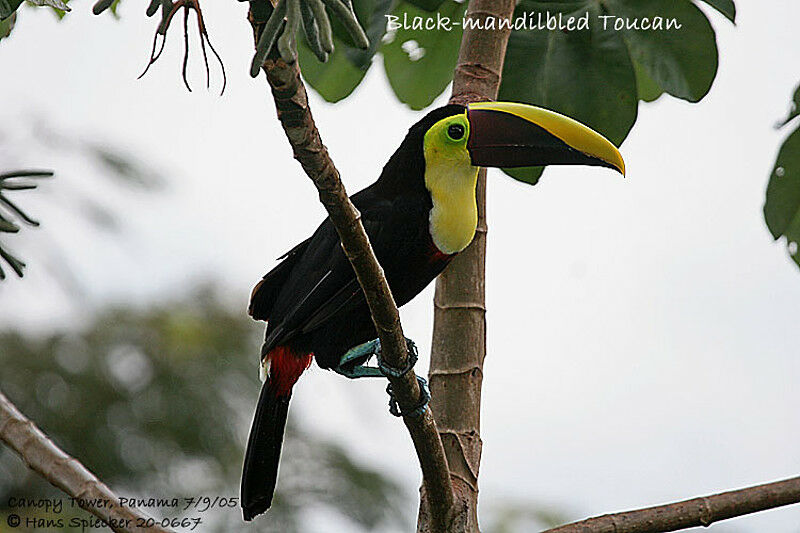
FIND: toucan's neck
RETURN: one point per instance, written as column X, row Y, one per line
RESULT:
column 443, row 178
column 404, row 173
column 451, row 180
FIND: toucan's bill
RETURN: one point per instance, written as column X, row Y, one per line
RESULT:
column 508, row 134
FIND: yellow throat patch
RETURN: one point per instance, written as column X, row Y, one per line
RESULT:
column 451, row 179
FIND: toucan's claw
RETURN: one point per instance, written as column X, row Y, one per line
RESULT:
column 353, row 364
column 416, row 411
column 389, row 371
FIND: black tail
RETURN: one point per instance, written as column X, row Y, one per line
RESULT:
column 263, row 452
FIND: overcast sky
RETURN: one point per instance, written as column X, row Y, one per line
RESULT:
column 643, row 334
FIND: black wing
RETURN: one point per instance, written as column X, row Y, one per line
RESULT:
column 322, row 283
column 266, row 291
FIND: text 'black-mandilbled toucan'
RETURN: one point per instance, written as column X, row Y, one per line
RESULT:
column 418, row 215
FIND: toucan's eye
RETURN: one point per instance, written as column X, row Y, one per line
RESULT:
column 455, row 132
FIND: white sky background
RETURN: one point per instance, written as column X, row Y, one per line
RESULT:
column 643, row 333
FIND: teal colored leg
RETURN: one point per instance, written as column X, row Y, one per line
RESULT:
column 353, row 364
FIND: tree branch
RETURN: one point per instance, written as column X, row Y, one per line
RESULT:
column 295, row 116
column 66, row 472
column 459, row 326
column 702, row 511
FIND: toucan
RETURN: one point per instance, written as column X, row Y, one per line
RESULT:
column 419, row 214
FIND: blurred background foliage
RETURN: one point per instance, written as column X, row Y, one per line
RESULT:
column 89, row 199
column 157, row 402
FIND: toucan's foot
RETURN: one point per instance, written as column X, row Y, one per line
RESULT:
column 353, row 364
column 415, row 411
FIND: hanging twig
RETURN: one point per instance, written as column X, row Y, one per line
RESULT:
column 168, row 11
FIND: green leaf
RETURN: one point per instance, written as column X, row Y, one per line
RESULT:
column 419, row 63
column 782, row 207
column 587, row 74
column 7, row 8
column 333, row 80
column 427, row 5
column 6, row 25
column 795, row 111
column 375, row 30
column 346, row 66
column 365, row 11
column 682, row 60
column 59, row 6
column 113, row 9
column 529, row 175
column 726, row 7
column 649, row 90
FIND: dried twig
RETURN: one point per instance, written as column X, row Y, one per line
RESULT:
column 67, row 473
column 696, row 512
column 168, row 11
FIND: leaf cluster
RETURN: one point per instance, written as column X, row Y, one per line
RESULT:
column 9, row 7
column 281, row 25
column 11, row 215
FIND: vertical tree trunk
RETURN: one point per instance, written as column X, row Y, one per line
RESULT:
column 459, row 329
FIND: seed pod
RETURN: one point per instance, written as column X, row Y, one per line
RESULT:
column 350, row 22
column 312, row 32
column 268, row 36
column 286, row 43
column 166, row 16
column 101, row 5
column 153, row 7
column 324, row 25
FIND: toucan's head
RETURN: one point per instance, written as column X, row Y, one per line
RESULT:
column 507, row 134
column 456, row 140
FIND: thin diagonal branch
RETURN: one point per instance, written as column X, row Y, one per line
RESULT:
column 66, row 472
column 696, row 512
column 295, row 116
